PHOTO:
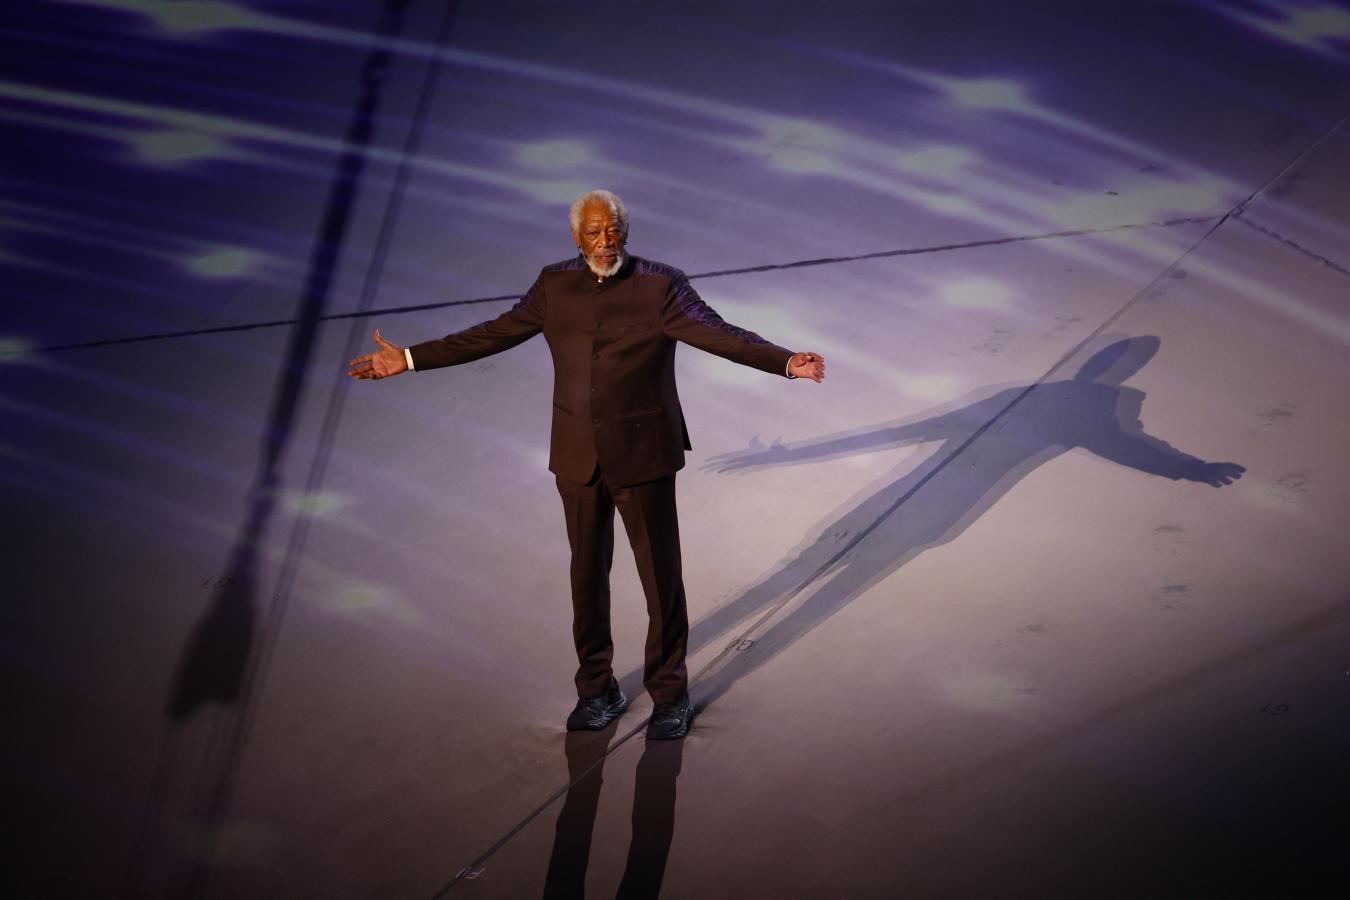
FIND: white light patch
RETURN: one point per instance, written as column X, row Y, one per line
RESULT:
column 1314, row 27
column 781, row 130
column 981, row 692
column 15, row 349
column 948, row 204
column 186, row 16
column 226, row 262
column 361, row 598
column 554, row 154
column 936, row 161
column 1149, row 201
column 176, row 146
column 551, row 191
column 929, row 388
column 1183, row 197
column 798, row 146
column 975, row 293
column 801, row 162
column 317, row 505
column 989, row 93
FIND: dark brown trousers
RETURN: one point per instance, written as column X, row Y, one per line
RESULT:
column 648, row 512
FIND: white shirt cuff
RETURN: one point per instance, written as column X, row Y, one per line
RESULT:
column 407, row 354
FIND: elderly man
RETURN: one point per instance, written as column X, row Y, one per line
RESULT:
column 611, row 321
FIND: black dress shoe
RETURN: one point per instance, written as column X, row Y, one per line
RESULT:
column 670, row 720
column 594, row 713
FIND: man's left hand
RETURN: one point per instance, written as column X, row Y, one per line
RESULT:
column 807, row 365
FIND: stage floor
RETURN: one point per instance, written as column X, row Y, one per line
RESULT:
column 1043, row 593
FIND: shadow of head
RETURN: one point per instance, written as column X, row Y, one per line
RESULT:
column 1114, row 363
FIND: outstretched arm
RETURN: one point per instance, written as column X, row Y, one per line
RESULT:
column 846, row 445
column 515, row 326
column 685, row 317
column 518, row 324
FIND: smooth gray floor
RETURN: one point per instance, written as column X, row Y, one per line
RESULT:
column 963, row 624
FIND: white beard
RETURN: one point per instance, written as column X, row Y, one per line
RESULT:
column 612, row 268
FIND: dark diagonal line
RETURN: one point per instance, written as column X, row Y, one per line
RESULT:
column 1294, row 245
column 856, row 539
column 916, row 251
column 275, row 323
column 748, row 270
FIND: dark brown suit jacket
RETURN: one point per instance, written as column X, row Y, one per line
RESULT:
column 613, row 345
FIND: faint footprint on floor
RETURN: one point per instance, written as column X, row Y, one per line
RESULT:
column 996, row 343
column 1273, row 417
column 1291, row 487
column 1170, row 538
column 1169, row 596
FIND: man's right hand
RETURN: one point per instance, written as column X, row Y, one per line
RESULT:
column 388, row 360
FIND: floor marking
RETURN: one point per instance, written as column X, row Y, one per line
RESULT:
column 1335, row 267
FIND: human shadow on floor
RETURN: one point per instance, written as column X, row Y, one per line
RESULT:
column 225, row 657
column 986, row 448
column 653, row 821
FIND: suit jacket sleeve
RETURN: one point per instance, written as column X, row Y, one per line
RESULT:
column 515, row 326
column 685, row 317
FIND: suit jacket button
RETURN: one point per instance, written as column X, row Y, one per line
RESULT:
column 595, row 356
column 595, row 421
column 595, row 390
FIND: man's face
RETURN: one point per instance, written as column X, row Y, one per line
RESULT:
column 600, row 237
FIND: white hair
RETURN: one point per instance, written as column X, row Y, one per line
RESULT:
column 608, row 198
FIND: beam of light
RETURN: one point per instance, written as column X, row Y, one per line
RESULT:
column 928, row 387
column 133, row 238
column 554, row 154
column 793, row 145
column 936, row 161
column 807, row 147
column 974, row 293
column 214, row 262
column 174, row 146
column 321, row 504
column 325, row 587
column 195, row 413
column 163, row 148
column 195, row 16
column 335, row 591
column 799, row 156
column 988, row 93
column 543, row 190
column 1322, row 28
column 15, row 349
column 168, row 118
column 9, row 223
column 156, row 455
column 226, row 262
column 1316, row 320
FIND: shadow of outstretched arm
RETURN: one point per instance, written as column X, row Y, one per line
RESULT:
column 931, row 427
column 1129, row 445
